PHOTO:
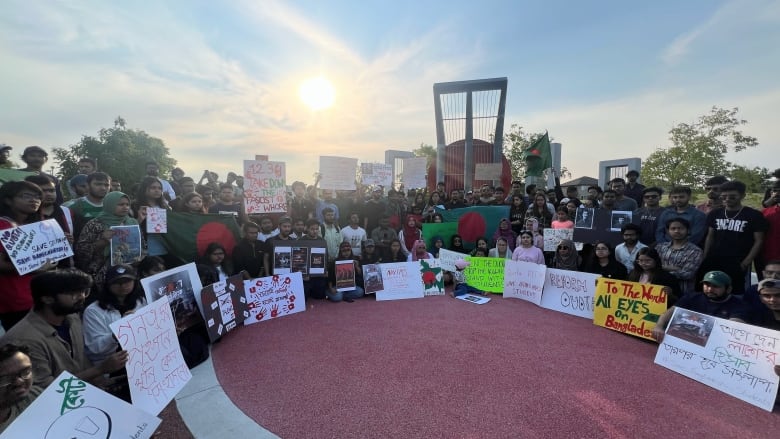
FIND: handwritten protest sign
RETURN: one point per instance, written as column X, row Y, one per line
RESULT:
column 224, row 305
column 156, row 369
column 628, row 307
column 345, row 275
column 30, row 246
column 553, row 237
column 432, row 277
column 414, row 171
column 487, row 171
column 72, row 408
column 182, row 286
column 486, row 274
column 337, row 173
column 376, row 174
column 125, row 244
column 735, row 358
column 274, row 296
column 447, row 259
column 570, row 292
column 156, row 220
column 524, row 280
column 265, row 190
column 401, row 280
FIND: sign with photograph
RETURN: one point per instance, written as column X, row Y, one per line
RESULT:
column 125, row 244
column 306, row 256
column 182, row 287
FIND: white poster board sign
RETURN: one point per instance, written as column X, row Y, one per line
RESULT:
column 72, row 408
column 156, row 369
column 553, row 237
column 414, row 173
column 487, row 171
column 156, row 220
column 524, row 280
column 274, row 296
column 570, row 292
column 338, row 173
column 30, row 246
column 376, row 174
column 735, row 358
column 401, row 280
column 447, row 259
column 265, row 187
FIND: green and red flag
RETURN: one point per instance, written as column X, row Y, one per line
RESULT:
column 538, row 156
column 190, row 233
column 444, row 230
column 474, row 222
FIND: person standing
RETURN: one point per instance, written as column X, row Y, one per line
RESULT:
column 633, row 189
column 679, row 198
column 647, row 216
column 35, row 157
column 680, row 257
column 622, row 202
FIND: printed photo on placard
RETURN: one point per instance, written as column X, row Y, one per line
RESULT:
column 125, row 244
column 619, row 219
column 345, row 275
column 282, row 260
column 317, row 261
column 180, row 284
column 691, row 326
column 372, row 279
column 299, row 258
column 584, row 218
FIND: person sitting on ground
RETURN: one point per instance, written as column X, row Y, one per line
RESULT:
column 680, row 257
column 250, row 253
column 648, row 270
column 394, row 253
column 769, row 315
column 345, row 254
column 501, row 250
column 16, row 383
column 603, row 263
column 461, row 287
column 526, row 251
column 566, row 256
column 419, row 252
column 626, row 252
column 715, row 300
column 369, row 255
column 438, row 244
column 410, row 233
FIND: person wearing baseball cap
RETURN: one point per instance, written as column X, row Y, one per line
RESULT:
column 715, row 300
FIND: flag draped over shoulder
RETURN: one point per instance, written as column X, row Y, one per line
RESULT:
column 538, row 156
column 475, row 221
column 190, row 233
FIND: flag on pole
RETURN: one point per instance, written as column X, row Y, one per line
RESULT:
column 538, row 156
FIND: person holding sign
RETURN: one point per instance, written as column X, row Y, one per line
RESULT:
column 647, row 270
column 345, row 254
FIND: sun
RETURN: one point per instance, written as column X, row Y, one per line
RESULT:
column 317, row 93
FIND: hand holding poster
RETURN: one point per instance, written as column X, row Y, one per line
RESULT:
column 224, row 305
column 265, row 190
column 31, row 246
column 72, row 408
column 376, row 174
column 570, row 292
column 182, row 286
column 629, row 307
column 156, row 369
column 486, row 274
column 156, row 220
column 274, row 296
column 735, row 358
column 524, row 280
column 337, row 173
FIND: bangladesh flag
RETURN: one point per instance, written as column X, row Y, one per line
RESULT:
column 445, row 230
column 476, row 221
column 190, row 233
column 538, row 156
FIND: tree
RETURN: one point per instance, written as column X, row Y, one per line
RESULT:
column 698, row 150
column 120, row 152
column 755, row 179
column 515, row 142
column 426, row 151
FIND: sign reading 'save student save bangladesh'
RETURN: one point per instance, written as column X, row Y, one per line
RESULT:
column 628, row 307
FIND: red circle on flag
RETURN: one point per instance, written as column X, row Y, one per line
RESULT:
column 471, row 226
column 535, row 152
column 215, row 232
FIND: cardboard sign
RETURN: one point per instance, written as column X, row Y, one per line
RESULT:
column 415, row 169
column 487, row 171
column 376, row 174
column 180, row 285
column 486, row 274
column 345, row 275
column 524, row 280
column 432, row 277
column 224, row 306
column 265, row 190
column 570, row 292
column 125, row 244
column 72, row 408
column 156, row 220
column 553, row 237
column 735, row 358
column 628, row 307
column 306, row 256
column 274, row 296
column 337, row 173
column 30, row 246
column 400, row 280
column 156, row 369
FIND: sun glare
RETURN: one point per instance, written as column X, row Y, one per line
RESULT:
column 317, row 93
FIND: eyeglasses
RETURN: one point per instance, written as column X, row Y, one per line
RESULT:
column 29, row 197
column 24, row 374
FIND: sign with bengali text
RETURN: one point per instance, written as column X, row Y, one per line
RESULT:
column 377, row 174
column 274, row 296
column 628, row 307
column 265, row 189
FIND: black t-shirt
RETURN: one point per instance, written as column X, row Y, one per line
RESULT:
column 731, row 308
column 734, row 232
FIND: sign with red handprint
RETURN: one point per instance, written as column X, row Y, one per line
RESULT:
column 274, row 296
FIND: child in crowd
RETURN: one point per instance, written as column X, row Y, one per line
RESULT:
column 459, row 277
column 563, row 221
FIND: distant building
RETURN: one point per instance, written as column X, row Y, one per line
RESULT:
column 582, row 184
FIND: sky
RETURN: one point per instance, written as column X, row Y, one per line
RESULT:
column 218, row 81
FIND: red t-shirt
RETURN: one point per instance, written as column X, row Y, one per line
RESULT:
column 15, row 292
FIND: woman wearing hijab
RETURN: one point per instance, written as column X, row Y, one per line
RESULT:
column 93, row 249
column 456, row 244
column 501, row 250
column 409, row 234
column 566, row 257
column 419, row 252
column 532, row 225
column 505, row 231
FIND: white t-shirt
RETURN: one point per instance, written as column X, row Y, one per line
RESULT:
column 355, row 238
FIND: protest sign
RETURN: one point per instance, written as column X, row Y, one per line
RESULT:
column 345, row 275
column 306, row 256
column 432, row 277
column 473, row 298
column 735, row 358
column 182, row 287
column 486, row 274
column 30, row 246
column 265, row 190
column 442, row 230
column 628, row 307
column 156, row 369
column 570, row 292
column 593, row 225
column 372, row 278
column 156, row 220
column 524, row 280
column 415, row 169
column 72, row 408
column 447, row 259
column 380, row 174
column 224, row 305
column 274, row 296
column 125, row 244
column 487, row 171
column 553, row 237
column 401, row 280
column 337, row 173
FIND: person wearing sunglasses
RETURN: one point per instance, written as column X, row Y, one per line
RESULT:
column 566, row 256
column 16, row 383
column 648, row 214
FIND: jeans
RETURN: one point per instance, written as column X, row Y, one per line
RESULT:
column 462, row 288
column 338, row 296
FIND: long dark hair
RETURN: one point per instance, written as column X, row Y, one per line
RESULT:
column 107, row 300
column 226, row 264
column 637, row 272
column 10, row 190
column 142, row 200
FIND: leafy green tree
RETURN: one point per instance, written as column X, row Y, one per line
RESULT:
column 428, row 151
column 698, row 150
column 120, row 152
column 755, row 179
column 515, row 142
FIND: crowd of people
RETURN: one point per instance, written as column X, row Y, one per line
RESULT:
column 57, row 318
